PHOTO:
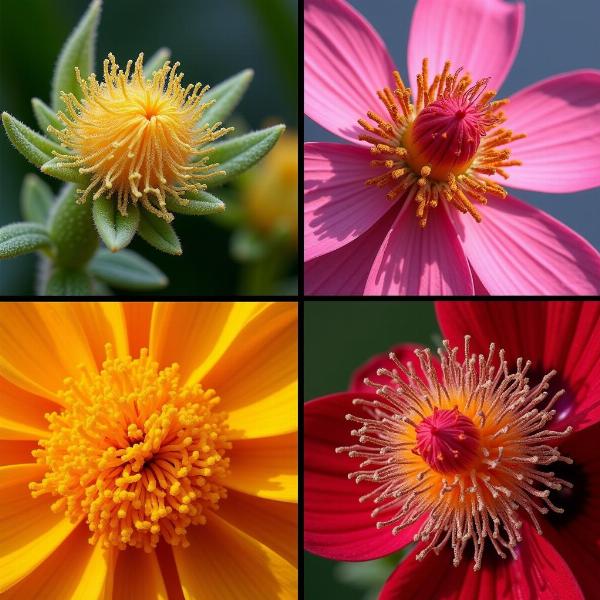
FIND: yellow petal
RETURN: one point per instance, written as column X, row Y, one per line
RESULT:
column 267, row 467
column 196, row 333
column 138, row 316
column 257, row 377
column 22, row 413
column 137, row 575
column 274, row 524
column 76, row 570
column 222, row 562
column 30, row 530
column 17, row 452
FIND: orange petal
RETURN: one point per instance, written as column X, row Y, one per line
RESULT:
column 137, row 575
column 17, row 452
column 138, row 316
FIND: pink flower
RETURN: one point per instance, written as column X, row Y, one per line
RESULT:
column 435, row 217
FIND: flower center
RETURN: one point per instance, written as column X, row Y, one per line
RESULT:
column 434, row 150
column 463, row 452
column 135, row 454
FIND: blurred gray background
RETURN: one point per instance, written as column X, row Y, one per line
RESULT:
column 559, row 36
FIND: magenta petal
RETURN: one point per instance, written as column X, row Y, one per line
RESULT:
column 338, row 206
column 481, row 36
column 416, row 261
column 518, row 249
column 345, row 64
column 561, row 118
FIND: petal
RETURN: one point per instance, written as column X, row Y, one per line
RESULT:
column 417, row 261
column 30, row 530
column 345, row 64
column 205, row 568
column 518, row 249
column 481, row 36
column 257, row 376
column 16, row 452
column 267, row 467
column 561, row 118
column 137, row 575
column 336, row 524
column 76, row 570
column 338, row 206
column 138, row 316
column 274, row 524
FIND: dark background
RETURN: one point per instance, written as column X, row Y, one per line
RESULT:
column 212, row 40
column 559, row 36
column 338, row 338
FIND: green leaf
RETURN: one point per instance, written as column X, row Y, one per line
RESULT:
column 69, row 282
column 240, row 153
column 68, row 174
column 46, row 116
column 158, row 233
column 248, row 246
column 200, row 203
column 22, row 238
column 127, row 270
column 78, row 51
column 115, row 230
column 227, row 96
column 156, row 61
column 36, row 199
column 36, row 148
column 72, row 229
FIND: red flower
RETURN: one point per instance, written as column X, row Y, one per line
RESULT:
column 398, row 474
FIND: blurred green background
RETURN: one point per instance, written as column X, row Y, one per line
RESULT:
column 212, row 40
column 338, row 338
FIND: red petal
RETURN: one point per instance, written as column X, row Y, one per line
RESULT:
column 336, row 524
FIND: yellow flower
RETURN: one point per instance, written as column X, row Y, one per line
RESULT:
column 148, row 450
column 138, row 139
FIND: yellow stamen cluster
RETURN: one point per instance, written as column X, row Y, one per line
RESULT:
column 428, row 183
column 135, row 454
column 139, row 139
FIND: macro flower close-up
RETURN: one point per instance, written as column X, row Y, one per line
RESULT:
column 149, row 450
column 480, row 457
column 420, row 201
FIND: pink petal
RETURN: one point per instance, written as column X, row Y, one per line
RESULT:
column 415, row 261
column 561, row 117
column 482, row 36
column 345, row 64
column 518, row 249
column 345, row 271
column 338, row 206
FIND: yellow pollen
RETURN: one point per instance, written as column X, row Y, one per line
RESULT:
column 460, row 176
column 464, row 453
column 138, row 139
column 135, row 454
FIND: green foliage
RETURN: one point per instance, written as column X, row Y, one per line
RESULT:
column 200, row 203
column 45, row 116
column 115, row 229
column 36, row 199
column 158, row 233
column 227, row 96
column 68, row 174
column 22, row 238
column 65, row 281
column 34, row 147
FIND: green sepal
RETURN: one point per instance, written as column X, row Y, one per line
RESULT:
column 65, row 281
column 68, row 174
column 156, row 61
column 158, row 233
column 78, row 51
column 45, row 116
column 127, row 270
column 72, row 229
column 238, row 154
column 36, row 199
column 22, row 238
column 115, row 229
column 199, row 203
column 227, row 96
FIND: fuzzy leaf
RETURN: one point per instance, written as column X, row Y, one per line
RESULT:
column 227, row 95
column 69, row 282
column 115, row 230
column 78, row 51
column 46, row 116
column 240, row 153
column 127, row 270
column 156, row 61
column 200, row 203
column 36, row 199
column 68, row 174
column 22, row 238
column 158, row 233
